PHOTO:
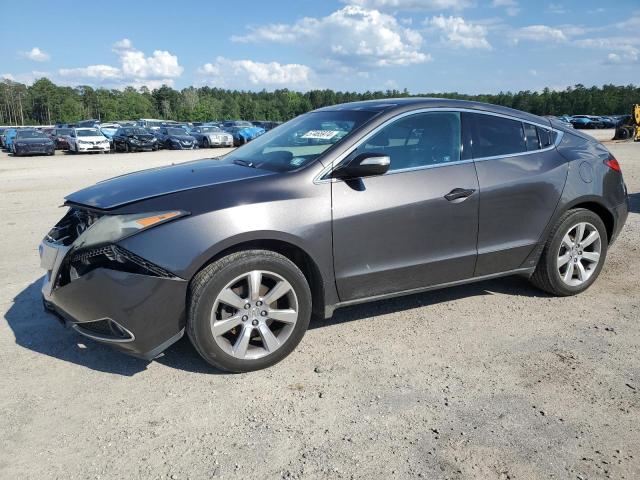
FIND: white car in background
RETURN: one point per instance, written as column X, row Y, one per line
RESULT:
column 83, row 140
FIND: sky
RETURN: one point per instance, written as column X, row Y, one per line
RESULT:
column 425, row 46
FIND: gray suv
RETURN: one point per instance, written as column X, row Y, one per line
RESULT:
column 342, row 205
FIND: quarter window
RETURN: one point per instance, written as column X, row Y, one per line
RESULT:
column 546, row 139
column 531, row 136
column 494, row 136
column 418, row 140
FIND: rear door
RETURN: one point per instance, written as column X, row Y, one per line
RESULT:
column 399, row 231
column 521, row 178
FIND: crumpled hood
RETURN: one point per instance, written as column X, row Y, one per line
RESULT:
column 156, row 182
column 143, row 137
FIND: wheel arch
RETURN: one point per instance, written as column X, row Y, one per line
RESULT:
column 596, row 206
column 592, row 203
column 287, row 248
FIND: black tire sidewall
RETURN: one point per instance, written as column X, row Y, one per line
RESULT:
column 199, row 315
column 554, row 247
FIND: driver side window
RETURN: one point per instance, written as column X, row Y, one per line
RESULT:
column 419, row 140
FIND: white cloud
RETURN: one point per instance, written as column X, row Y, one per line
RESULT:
column 352, row 36
column 510, row 6
column 539, row 33
column 36, row 55
column 224, row 72
column 135, row 64
column 135, row 68
column 413, row 5
column 458, row 33
column 100, row 72
column 622, row 50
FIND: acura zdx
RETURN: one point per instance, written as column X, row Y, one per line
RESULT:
column 342, row 205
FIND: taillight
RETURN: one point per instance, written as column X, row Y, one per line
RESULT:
column 613, row 164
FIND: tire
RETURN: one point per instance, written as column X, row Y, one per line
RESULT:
column 548, row 275
column 126, row 147
column 224, row 350
column 205, row 143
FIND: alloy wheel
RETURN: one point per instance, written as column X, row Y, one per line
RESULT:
column 254, row 315
column 579, row 254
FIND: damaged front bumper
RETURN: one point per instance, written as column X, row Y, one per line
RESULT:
column 138, row 312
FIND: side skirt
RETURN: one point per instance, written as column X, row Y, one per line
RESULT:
column 525, row 272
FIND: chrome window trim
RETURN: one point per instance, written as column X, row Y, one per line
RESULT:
column 318, row 179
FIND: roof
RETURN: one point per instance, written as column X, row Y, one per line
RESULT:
column 389, row 105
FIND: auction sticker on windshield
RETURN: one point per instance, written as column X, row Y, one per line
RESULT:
column 320, row 134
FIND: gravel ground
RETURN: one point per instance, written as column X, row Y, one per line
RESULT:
column 490, row 381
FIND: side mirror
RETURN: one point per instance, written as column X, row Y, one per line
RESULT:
column 364, row 165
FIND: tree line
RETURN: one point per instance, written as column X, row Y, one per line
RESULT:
column 46, row 103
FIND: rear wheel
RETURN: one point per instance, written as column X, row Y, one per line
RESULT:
column 248, row 310
column 574, row 254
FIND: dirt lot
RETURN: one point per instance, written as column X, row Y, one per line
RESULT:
column 491, row 381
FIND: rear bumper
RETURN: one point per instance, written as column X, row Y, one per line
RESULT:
column 620, row 214
column 140, row 315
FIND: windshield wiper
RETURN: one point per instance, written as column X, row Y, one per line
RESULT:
column 244, row 163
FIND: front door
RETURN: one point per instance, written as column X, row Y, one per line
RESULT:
column 415, row 226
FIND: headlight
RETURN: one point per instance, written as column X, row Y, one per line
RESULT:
column 112, row 228
column 134, row 140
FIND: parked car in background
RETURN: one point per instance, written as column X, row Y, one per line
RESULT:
column 243, row 132
column 32, row 142
column 585, row 122
column 60, row 137
column 175, row 138
column 9, row 135
column 109, row 130
column 565, row 119
column 267, row 125
column 93, row 123
column 607, row 122
column 209, row 136
column 134, row 139
column 86, row 140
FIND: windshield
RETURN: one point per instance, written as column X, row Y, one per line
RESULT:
column 91, row 132
column 299, row 141
column 64, row 131
column 207, row 129
column 30, row 134
column 176, row 131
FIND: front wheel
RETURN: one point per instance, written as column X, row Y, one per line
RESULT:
column 248, row 310
column 574, row 254
column 205, row 143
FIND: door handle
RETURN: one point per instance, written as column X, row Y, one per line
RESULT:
column 459, row 193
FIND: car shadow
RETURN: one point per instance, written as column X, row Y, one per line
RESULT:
column 41, row 332
column 512, row 285
column 634, row 202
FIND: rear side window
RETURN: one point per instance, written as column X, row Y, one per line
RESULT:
column 531, row 136
column 493, row 136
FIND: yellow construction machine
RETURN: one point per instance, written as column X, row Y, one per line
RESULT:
column 629, row 127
